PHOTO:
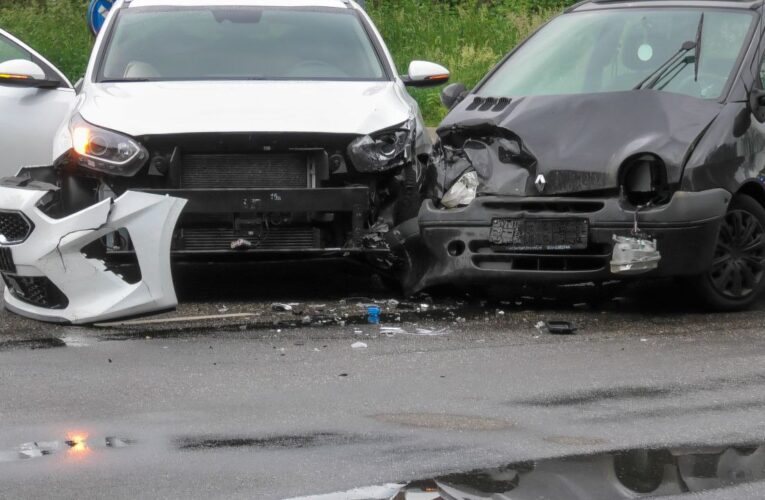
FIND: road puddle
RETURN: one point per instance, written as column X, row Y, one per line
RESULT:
column 196, row 443
column 620, row 474
column 39, row 343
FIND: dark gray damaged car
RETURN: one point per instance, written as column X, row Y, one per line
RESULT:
column 621, row 139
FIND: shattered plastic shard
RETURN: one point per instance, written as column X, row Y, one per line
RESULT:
column 91, row 292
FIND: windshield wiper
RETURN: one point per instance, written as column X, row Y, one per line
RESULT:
column 662, row 70
column 699, row 35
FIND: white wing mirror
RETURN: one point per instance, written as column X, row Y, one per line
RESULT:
column 425, row 74
column 24, row 73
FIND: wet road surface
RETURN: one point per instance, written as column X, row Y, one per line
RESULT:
column 257, row 403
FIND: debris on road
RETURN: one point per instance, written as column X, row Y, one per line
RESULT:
column 373, row 315
column 556, row 327
column 560, row 328
column 390, row 331
column 359, row 345
column 281, row 307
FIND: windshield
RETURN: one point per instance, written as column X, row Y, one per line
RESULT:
column 614, row 50
column 234, row 43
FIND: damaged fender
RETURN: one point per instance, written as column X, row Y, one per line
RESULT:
column 88, row 291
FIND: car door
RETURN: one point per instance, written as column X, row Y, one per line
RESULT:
column 29, row 116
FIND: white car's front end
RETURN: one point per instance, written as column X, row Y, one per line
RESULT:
column 284, row 130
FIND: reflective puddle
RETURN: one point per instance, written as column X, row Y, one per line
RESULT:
column 622, row 474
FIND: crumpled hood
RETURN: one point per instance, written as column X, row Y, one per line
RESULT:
column 578, row 142
column 150, row 108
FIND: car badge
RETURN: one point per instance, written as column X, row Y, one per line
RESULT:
column 540, row 183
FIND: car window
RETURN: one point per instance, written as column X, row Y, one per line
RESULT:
column 614, row 50
column 9, row 51
column 240, row 43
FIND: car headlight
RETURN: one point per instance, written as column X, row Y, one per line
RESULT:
column 463, row 192
column 106, row 151
column 384, row 150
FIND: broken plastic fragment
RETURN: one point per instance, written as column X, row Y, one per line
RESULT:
column 463, row 192
column 560, row 328
column 241, row 244
column 634, row 255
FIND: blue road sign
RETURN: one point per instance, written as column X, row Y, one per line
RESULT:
column 97, row 12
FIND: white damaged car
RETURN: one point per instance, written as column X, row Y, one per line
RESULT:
column 211, row 129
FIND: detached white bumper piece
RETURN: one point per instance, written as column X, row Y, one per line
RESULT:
column 634, row 255
column 49, row 278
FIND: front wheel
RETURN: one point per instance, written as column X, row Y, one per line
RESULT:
column 737, row 274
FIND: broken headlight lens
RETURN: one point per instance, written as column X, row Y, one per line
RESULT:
column 463, row 192
column 383, row 150
column 106, row 151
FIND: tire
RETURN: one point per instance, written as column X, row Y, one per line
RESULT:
column 737, row 275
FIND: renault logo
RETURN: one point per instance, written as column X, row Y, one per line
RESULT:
column 540, row 183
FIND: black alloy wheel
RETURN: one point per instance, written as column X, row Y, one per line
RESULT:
column 737, row 274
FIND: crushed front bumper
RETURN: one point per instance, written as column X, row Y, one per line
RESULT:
column 49, row 277
column 458, row 250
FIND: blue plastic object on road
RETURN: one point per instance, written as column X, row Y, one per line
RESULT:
column 97, row 12
column 373, row 315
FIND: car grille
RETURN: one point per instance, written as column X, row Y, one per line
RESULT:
column 37, row 291
column 267, row 170
column 594, row 258
column 276, row 238
column 14, row 227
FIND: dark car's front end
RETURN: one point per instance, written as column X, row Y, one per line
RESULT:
column 567, row 162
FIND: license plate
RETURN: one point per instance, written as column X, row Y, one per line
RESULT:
column 540, row 234
column 6, row 261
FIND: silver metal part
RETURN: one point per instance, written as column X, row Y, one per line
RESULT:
column 634, row 255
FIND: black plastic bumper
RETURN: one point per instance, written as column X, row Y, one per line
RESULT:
column 458, row 249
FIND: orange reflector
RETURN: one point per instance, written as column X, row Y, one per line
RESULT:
column 13, row 77
column 438, row 77
column 81, row 140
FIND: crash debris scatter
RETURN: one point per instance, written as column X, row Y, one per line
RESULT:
column 74, row 445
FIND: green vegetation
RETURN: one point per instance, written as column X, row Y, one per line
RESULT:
column 467, row 36
column 55, row 28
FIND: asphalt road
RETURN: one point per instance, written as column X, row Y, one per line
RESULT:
column 254, row 403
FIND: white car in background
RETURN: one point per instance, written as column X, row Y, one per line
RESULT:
column 204, row 129
column 31, row 110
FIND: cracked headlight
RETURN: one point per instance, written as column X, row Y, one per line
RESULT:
column 383, row 150
column 463, row 192
column 106, row 151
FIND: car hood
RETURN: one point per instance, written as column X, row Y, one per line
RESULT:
column 578, row 142
column 152, row 108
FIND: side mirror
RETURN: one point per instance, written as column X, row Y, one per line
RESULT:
column 425, row 74
column 452, row 94
column 23, row 73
